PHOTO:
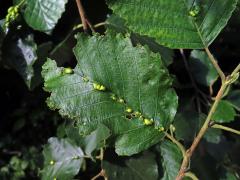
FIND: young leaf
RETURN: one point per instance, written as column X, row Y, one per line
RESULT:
column 62, row 160
column 43, row 15
column 234, row 99
column 224, row 113
column 176, row 24
column 96, row 139
column 187, row 124
column 202, row 68
column 135, row 168
column 134, row 74
column 171, row 160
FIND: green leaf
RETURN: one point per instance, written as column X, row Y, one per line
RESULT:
column 202, row 68
column 96, row 139
column 62, row 160
column 43, row 15
column 234, row 98
column 228, row 176
column 224, row 113
column 187, row 124
column 20, row 53
column 213, row 136
column 171, row 23
column 91, row 142
column 134, row 168
column 118, row 25
column 132, row 73
column 171, row 160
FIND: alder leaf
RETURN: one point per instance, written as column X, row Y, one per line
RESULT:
column 43, row 15
column 176, row 23
column 171, row 160
column 202, row 68
column 133, row 74
column 234, row 99
column 224, row 113
column 62, row 160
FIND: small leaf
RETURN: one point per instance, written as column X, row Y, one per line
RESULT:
column 171, row 160
column 176, row 24
column 134, row 168
column 62, row 160
column 96, row 139
column 202, row 68
column 224, row 113
column 43, row 15
column 234, row 98
column 213, row 136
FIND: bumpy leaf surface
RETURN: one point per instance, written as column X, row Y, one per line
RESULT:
column 62, row 160
column 43, row 15
column 132, row 73
column 176, row 23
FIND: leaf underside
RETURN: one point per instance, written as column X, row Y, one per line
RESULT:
column 132, row 73
column 172, row 25
column 61, row 159
column 43, row 15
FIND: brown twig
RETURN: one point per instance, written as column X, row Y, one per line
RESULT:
column 198, row 91
column 201, row 133
column 101, row 174
column 215, row 64
column 86, row 23
column 226, row 81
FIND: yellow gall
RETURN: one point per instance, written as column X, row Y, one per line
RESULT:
column 129, row 110
column 68, row 70
column 52, row 162
column 102, row 88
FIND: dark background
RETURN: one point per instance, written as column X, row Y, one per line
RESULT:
column 25, row 120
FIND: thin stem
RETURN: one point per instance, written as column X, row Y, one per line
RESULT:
column 218, row 126
column 191, row 175
column 101, row 174
column 180, row 146
column 100, row 24
column 201, row 133
column 188, row 69
column 86, row 23
column 21, row 3
column 236, row 70
column 215, row 64
column 191, row 76
column 71, row 33
column 95, row 26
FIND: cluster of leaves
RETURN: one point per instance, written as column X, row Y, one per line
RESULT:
column 119, row 99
